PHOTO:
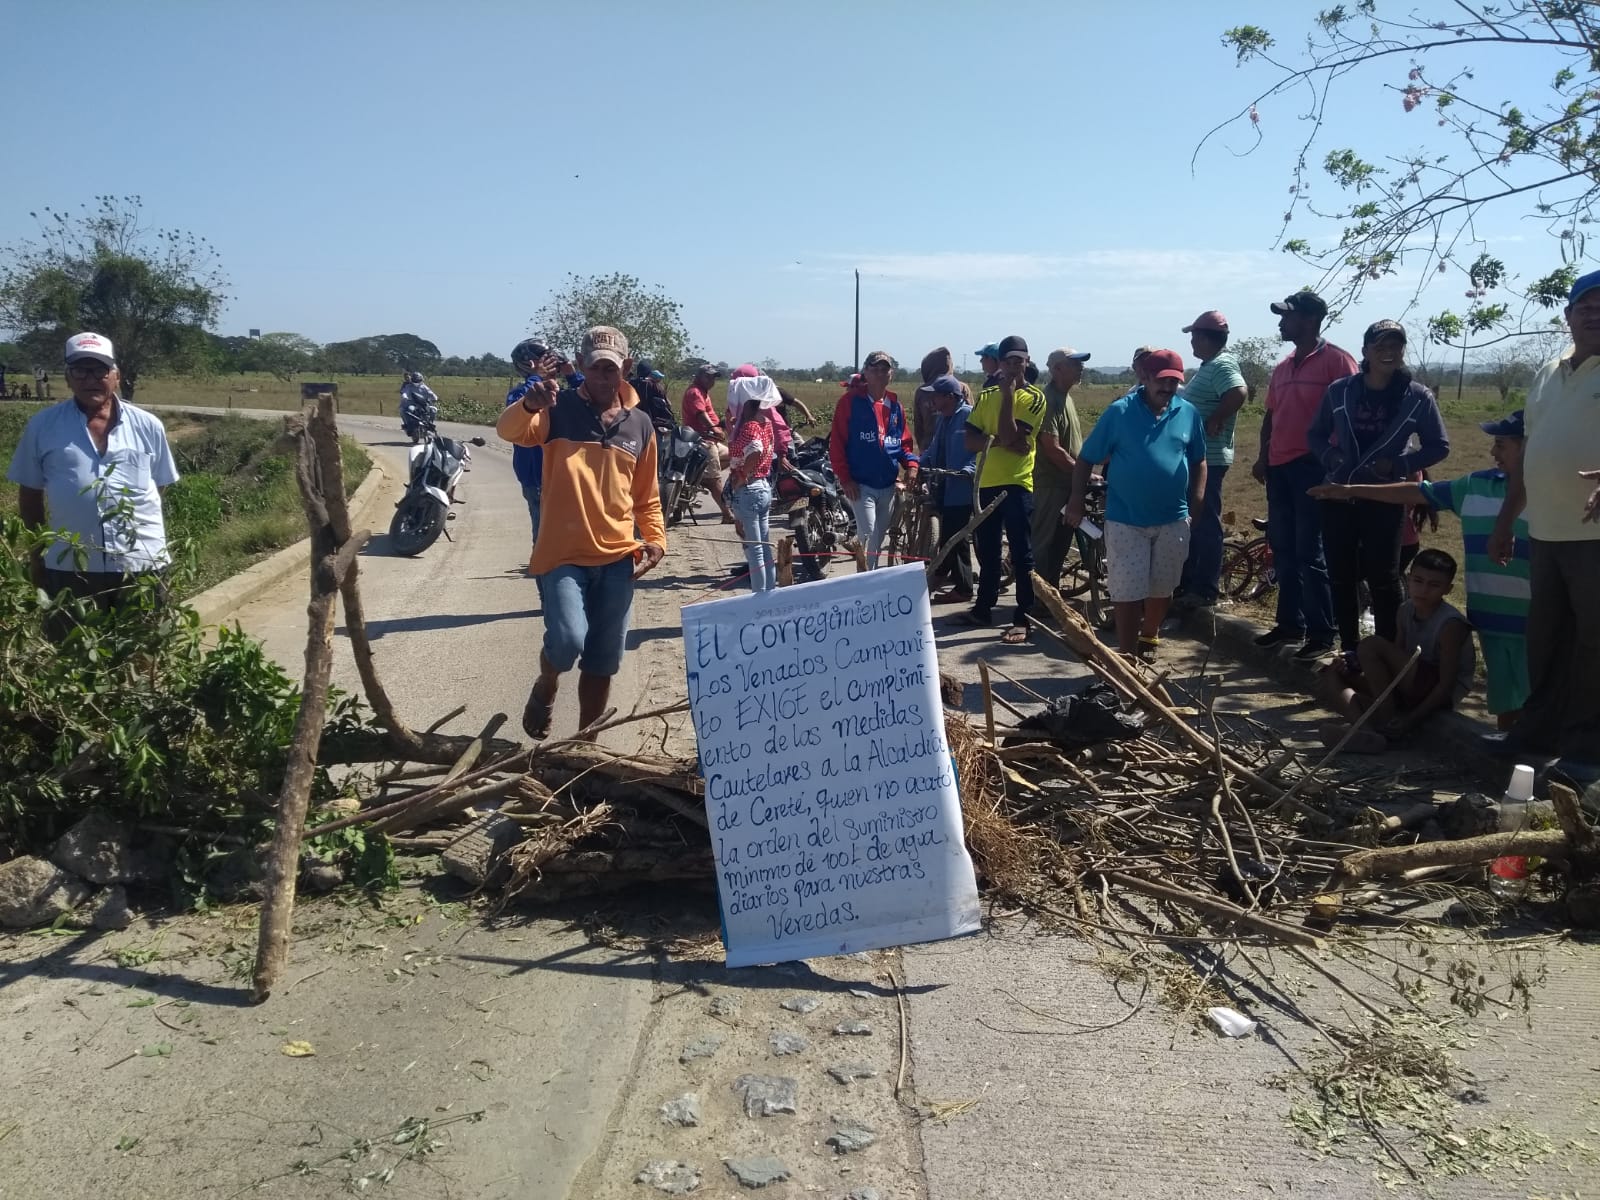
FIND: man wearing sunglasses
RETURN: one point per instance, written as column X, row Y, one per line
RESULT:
column 93, row 469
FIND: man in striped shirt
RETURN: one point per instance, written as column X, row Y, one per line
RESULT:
column 1497, row 596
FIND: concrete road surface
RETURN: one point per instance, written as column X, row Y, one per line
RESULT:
column 567, row 1048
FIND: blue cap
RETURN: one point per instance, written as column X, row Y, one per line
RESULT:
column 947, row 385
column 992, row 350
column 1583, row 284
column 1506, row 426
column 657, row 375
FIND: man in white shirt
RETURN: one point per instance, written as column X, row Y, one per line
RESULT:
column 1555, row 488
column 93, row 469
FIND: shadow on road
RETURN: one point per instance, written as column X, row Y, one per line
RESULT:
column 435, row 621
column 62, row 963
column 638, row 637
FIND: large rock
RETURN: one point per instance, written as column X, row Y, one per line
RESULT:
column 99, row 848
column 36, row 892
column 110, row 910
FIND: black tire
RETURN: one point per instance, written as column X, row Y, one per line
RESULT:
column 1238, row 572
column 1077, row 575
column 1097, row 607
column 417, row 524
column 808, row 565
column 669, row 503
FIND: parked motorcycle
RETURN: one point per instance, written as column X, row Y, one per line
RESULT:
column 437, row 464
column 683, row 456
column 820, row 518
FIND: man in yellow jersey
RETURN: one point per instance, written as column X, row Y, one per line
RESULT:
column 1005, row 422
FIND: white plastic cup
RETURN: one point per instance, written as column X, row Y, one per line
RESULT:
column 1520, row 789
column 1231, row 1022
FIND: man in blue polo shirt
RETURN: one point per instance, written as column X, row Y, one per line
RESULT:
column 93, row 468
column 1155, row 443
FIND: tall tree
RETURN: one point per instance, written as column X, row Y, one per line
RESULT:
column 1535, row 156
column 152, row 291
column 652, row 321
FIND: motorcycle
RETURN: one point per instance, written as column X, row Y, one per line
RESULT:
column 820, row 518
column 437, row 464
column 683, row 456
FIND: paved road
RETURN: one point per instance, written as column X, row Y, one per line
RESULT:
column 558, row 1036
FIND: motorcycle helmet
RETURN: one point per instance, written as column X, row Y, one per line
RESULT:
column 527, row 353
column 416, row 377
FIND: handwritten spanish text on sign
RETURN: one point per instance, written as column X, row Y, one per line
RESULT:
column 830, row 790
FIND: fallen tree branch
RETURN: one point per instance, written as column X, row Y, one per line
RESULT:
column 1396, row 860
column 1216, row 909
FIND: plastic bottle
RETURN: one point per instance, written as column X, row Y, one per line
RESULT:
column 1508, row 874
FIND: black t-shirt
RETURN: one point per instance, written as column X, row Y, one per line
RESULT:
column 1372, row 412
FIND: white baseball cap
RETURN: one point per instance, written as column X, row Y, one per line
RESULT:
column 91, row 345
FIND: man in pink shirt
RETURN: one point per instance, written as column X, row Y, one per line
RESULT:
column 1289, row 470
column 700, row 415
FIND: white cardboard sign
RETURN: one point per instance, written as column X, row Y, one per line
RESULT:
column 830, row 790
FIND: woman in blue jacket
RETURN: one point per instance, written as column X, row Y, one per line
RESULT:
column 1362, row 434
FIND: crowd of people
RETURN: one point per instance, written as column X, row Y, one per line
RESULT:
column 1344, row 451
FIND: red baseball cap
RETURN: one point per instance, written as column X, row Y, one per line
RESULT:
column 1163, row 364
column 1210, row 320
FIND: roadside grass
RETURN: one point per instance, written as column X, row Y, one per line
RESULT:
column 236, row 500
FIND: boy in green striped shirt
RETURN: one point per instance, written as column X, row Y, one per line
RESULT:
column 1497, row 596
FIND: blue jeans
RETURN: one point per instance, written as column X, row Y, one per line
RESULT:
column 752, row 504
column 1294, row 530
column 1203, row 567
column 1014, row 521
column 586, row 613
column 872, row 520
column 530, row 493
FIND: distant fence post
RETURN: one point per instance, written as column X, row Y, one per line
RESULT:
column 310, row 391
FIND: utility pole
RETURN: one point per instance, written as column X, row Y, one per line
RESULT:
column 858, row 320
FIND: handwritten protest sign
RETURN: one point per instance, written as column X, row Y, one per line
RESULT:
column 830, row 790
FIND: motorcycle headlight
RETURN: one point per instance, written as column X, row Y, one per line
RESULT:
column 816, row 491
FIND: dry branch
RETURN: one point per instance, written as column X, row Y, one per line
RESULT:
column 318, row 475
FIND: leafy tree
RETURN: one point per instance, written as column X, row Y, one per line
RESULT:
column 381, row 354
column 282, row 355
column 652, row 321
column 152, row 291
column 1536, row 156
column 1257, row 356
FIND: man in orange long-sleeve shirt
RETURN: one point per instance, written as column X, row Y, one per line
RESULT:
column 599, row 485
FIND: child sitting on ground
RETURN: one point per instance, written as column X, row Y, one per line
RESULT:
column 1441, row 677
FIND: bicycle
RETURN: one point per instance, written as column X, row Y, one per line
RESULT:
column 1248, row 571
column 1084, row 575
column 914, row 517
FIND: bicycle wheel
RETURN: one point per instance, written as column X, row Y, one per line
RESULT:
column 1238, row 570
column 1078, row 573
column 902, row 528
column 1265, row 580
column 1097, row 606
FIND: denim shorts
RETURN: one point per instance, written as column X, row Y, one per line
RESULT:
column 586, row 614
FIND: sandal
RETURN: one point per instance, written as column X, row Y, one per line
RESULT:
column 536, row 715
column 1149, row 647
column 1016, row 635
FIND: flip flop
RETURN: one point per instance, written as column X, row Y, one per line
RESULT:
column 1015, row 635
column 536, row 716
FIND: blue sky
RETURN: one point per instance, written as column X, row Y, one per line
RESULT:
column 437, row 168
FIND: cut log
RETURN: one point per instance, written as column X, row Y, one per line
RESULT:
column 1396, row 860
